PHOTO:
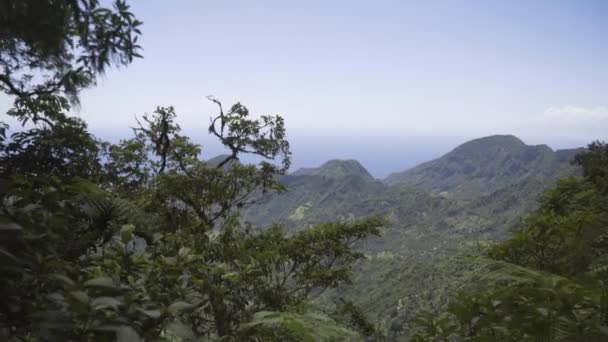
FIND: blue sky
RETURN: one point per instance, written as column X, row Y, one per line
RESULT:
column 390, row 83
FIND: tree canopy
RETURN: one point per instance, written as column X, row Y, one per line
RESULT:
column 548, row 281
column 142, row 239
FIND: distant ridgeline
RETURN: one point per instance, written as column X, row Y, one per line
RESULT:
column 483, row 166
column 475, row 192
column 472, row 177
column 336, row 169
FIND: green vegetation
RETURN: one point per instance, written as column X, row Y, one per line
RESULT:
column 141, row 240
column 146, row 240
column 548, row 281
column 430, row 236
column 483, row 166
column 336, row 169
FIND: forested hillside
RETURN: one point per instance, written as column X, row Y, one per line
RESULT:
column 149, row 238
column 417, row 262
column 140, row 240
column 483, row 166
column 345, row 190
column 548, row 281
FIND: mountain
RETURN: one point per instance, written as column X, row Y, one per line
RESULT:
column 436, row 210
column 336, row 169
column 492, row 179
column 215, row 161
column 485, row 165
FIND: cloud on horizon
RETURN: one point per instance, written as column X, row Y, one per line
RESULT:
column 574, row 115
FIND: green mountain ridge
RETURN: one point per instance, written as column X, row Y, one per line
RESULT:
column 506, row 179
column 485, row 165
column 336, row 169
column 475, row 192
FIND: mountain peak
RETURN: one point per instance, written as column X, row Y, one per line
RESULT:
column 491, row 142
column 336, row 168
column 483, row 165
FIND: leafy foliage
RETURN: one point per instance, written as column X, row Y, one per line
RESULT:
column 200, row 271
column 142, row 240
column 293, row 327
column 62, row 43
column 547, row 282
column 423, row 257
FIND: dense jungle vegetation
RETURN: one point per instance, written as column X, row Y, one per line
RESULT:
column 149, row 239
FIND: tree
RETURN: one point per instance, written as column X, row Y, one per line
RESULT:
column 202, row 270
column 59, row 46
column 548, row 282
column 142, row 239
column 49, row 51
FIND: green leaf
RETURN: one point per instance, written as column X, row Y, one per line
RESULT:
column 151, row 313
column 184, row 251
column 157, row 237
column 231, row 276
column 62, row 278
column 180, row 306
column 100, row 282
column 127, row 334
column 10, row 226
column 80, row 296
column 8, row 254
column 126, row 232
column 544, row 312
column 106, row 302
column 180, row 330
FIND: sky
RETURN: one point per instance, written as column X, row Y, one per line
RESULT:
column 390, row 83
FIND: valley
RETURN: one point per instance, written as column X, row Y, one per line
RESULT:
column 438, row 211
column 347, row 199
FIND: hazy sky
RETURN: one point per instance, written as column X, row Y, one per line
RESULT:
column 390, row 83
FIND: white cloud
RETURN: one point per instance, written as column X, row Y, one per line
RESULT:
column 573, row 115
